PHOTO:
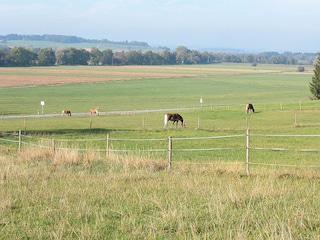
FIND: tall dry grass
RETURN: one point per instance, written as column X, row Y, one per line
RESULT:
column 76, row 195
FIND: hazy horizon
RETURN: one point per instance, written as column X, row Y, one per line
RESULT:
column 248, row 25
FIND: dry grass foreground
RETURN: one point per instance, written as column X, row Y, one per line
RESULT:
column 72, row 196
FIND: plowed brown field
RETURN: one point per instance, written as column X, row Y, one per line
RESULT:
column 30, row 76
column 12, row 77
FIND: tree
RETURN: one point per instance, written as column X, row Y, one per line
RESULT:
column 168, row 57
column 194, row 57
column 46, row 57
column 22, row 57
column 182, row 54
column 107, row 57
column 2, row 57
column 314, row 85
column 60, row 56
column 134, row 57
column 95, row 57
column 83, row 57
column 151, row 58
column 72, row 56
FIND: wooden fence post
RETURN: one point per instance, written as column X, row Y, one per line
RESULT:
column 19, row 141
column 54, row 146
column 169, row 152
column 198, row 123
column 107, row 147
column 25, row 126
column 248, row 152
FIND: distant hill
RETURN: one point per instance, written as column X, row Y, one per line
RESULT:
column 62, row 41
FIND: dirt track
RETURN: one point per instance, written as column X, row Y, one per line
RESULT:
column 125, row 112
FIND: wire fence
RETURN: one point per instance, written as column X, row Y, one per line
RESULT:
column 245, row 144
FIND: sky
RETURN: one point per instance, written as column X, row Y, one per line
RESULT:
column 249, row 25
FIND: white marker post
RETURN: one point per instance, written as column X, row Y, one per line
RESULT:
column 42, row 104
column 201, row 101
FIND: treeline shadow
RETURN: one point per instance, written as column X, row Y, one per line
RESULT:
column 76, row 132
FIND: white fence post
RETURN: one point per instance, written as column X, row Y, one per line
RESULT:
column 169, row 152
column 300, row 105
column 248, row 152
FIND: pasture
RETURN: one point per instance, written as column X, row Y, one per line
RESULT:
column 205, row 195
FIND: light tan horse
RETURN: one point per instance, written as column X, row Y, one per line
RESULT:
column 66, row 112
column 94, row 111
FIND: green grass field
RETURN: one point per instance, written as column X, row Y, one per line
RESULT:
column 216, row 87
column 72, row 194
column 279, row 94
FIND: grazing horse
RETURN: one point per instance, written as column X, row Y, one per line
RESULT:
column 94, row 111
column 249, row 107
column 68, row 112
column 175, row 117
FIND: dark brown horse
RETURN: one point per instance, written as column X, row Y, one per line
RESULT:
column 175, row 118
column 68, row 112
column 249, row 107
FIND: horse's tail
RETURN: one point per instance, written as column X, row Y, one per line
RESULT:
column 165, row 120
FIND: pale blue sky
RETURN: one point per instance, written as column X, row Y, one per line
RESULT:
column 265, row 25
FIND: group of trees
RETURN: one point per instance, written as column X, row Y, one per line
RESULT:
column 20, row 56
column 65, row 39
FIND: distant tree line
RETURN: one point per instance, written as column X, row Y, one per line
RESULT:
column 65, row 39
column 21, row 56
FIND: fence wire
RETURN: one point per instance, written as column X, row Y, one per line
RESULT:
column 5, row 138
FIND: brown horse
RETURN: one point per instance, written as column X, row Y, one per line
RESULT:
column 68, row 112
column 94, row 111
column 249, row 107
column 174, row 117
